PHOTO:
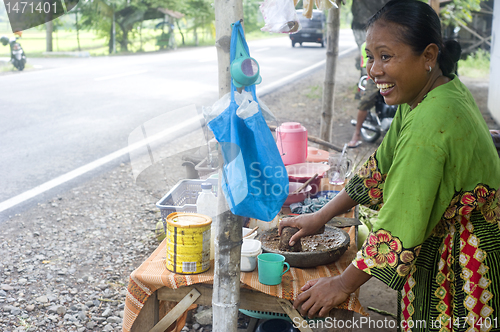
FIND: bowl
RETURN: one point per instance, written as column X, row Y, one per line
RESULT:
column 250, row 249
column 248, row 230
column 304, row 171
column 321, row 255
column 298, row 197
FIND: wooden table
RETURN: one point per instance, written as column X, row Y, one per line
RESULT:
column 250, row 299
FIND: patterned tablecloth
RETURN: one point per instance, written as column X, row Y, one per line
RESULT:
column 152, row 275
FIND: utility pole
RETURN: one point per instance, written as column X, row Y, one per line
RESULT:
column 227, row 227
column 113, row 31
column 77, row 31
column 332, row 53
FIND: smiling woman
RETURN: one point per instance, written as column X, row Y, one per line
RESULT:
column 403, row 49
column 435, row 181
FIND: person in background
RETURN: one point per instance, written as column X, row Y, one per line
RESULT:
column 434, row 180
column 368, row 100
column 495, row 135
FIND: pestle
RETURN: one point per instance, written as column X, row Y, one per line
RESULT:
column 286, row 234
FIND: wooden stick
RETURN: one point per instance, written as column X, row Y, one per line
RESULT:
column 305, row 184
column 177, row 311
column 294, row 315
column 317, row 140
column 324, row 143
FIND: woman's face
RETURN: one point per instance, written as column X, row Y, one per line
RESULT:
column 400, row 75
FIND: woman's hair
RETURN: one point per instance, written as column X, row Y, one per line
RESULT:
column 420, row 26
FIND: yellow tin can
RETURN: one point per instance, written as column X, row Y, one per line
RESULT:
column 188, row 242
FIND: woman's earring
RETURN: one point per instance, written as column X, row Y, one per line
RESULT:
column 430, row 69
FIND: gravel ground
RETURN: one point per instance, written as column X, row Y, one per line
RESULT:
column 65, row 263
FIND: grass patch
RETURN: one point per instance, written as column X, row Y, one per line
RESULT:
column 314, row 92
column 476, row 65
column 10, row 67
column 34, row 44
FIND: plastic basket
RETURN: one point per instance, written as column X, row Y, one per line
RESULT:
column 264, row 314
column 182, row 197
column 273, row 315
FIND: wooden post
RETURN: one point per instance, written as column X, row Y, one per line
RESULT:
column 227, row 227
column 332, row 52
column 226, row 13
column 435, row 5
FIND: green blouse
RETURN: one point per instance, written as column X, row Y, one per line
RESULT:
column 429, row 162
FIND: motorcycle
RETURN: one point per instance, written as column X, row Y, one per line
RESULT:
column 17, row 56
column 378, row 122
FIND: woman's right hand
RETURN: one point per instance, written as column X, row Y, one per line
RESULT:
column 307, row 224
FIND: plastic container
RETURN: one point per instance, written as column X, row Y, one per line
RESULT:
column 206, row 204
column 276, row 325
column 188, row 243
column 264, row 225
column 248, row 230
column 298, row 197
column 304, row 171
column 315, row 155
column 291, row 139
column 249, row 251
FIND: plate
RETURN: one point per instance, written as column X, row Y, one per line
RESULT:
column 304, row 171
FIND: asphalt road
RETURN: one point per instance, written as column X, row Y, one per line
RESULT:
column 70, row 112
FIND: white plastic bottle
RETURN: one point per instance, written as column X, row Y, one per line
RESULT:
column 207, row 204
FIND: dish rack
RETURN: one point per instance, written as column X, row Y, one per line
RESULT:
column 182, row 197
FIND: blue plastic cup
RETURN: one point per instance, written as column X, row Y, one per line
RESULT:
column 271, row 268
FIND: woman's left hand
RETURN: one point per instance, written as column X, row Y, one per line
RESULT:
column 320, row 296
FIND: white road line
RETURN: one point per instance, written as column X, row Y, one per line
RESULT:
column 208, row 59
column 120, row 75
column 93, row 165
column 112, row 156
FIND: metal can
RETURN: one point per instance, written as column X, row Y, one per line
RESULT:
column 188, row 242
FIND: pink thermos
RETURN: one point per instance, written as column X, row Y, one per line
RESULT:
column 291, row 138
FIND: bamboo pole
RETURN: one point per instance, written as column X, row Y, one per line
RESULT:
column 227, row 227
column 332, row 52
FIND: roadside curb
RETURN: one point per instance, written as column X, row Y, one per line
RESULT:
column 83, row 54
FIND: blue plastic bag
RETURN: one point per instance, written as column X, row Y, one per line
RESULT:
column 254, row 181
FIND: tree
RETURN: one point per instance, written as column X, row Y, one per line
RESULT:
column 460, row 10
column 200, row 13
column 129, row 15
column 98, row 15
